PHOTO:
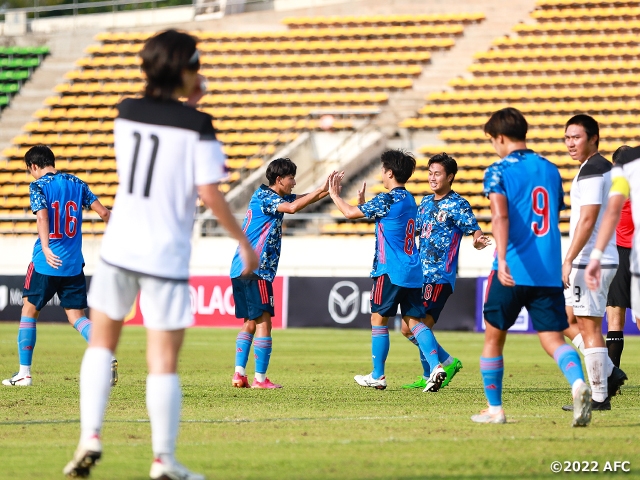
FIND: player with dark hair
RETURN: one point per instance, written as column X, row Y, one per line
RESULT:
column 443, row 218
column 589, row 196
column 396, row 273
column 525, row 191
column 167, row 155
column 253, row 293
column 57, row 200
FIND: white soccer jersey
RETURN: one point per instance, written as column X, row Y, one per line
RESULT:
column 164, row 150
column 628, row 167
column 591, row 187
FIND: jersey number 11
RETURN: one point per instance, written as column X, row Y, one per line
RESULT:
column 152, row 161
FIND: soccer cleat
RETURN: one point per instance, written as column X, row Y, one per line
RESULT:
column 114, row 372
column 18, row 381
column 595, row 406
column 240, row 381
column 485, row 417
column 267, row 384
column 451, row 371
column 85, row 457
column 435, row 379
column 172, row 471
column 615, row 381
column 582, row 407
column 421, row 383
column 369, row 381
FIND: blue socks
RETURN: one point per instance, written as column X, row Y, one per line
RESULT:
column 569, row 362
column 262, row 350
column 243, row 346
column 427, row 343
column 26, row 339
column 426, row 369
column 379, row 350
column 492, row 370
column 83, row 325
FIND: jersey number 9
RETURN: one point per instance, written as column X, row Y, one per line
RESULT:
column 540, row 203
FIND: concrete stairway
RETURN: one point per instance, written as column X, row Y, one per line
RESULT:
column 65, row 50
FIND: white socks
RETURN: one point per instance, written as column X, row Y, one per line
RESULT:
column 25, row 371
column 241, row 371
column 261, row 377
column 579, row 343
column 164, row 399
column 596, row 361
column 493, row 409
column 447, row 362
column 576, row 385
column 95, row 385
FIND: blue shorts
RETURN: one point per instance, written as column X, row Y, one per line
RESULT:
column 544, row 304
column 39, row 289
column 252, row 296
column 385, row 298
column 434, row 297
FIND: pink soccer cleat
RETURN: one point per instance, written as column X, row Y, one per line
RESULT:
column 240, row 381
column 266, row 384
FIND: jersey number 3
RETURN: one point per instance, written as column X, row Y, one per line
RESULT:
column 152, row 161
column 540, row 203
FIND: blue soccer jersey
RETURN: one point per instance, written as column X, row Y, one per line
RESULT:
column 441, row 224
column 396, row 253
column 64, row 196
column 263, row 227
column 533, row 188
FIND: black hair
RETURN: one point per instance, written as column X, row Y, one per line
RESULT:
column 41, row 156
column 448, row 163
column 280, row 167
column 617, row 155
column 589, row 124
column 508, row 122
column 400, row 162
column 164, row 57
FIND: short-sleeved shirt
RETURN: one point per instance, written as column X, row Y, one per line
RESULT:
column 396, row 253
column 441, row 224
column 533, row 188
column 626, row 177
column 624, row 229
column 64, row 196
column 263, row 227
column 164, row 151
column 591, row 187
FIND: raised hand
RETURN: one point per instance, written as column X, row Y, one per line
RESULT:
column 361, row 193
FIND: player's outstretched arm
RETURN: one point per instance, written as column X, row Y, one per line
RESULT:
column 610, row 219
column 101, row 210
column 583, row 231
column 500, row 227
column 306, row 199
column 42, row 223
column 480, row 240
column 349, row 211
column 214, row 199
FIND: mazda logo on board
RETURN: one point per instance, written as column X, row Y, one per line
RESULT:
column 344, row 307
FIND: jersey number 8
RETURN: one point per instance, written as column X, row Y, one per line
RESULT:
column 409, row 239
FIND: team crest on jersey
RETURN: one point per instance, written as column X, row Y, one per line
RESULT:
column 441, row 216
column 426, row 230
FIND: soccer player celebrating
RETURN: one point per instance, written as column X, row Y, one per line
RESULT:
column 57, row 200
column 589, row 196
column 525, row 192
column 253, row 294
column 443, row 218
column 396, row 273
column 167, row 154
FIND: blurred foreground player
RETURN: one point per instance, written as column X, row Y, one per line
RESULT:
column 525, row 191
column 396, row 273
column 167, row 155
column 253, row 293
column 443, row 218
column 57, row 200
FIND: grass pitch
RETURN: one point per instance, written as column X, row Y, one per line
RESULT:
column 321, row 425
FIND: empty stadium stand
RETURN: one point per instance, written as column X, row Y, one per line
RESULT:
column 265, row 88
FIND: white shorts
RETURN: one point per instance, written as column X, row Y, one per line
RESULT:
column 635, row 296
column 585, row 302
column 165, row 304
